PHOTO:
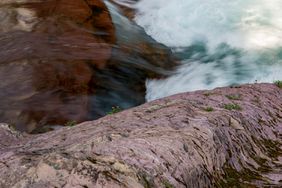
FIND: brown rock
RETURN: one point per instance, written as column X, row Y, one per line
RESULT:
column 136, row 46
column 127, row 7
column 171, row 142
column 65, row 61
column 46, row 49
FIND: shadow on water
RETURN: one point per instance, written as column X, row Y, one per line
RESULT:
column 68, row 61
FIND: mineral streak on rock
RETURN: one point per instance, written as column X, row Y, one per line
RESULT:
column 171, row 142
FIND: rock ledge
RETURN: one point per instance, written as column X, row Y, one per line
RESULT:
column 227, row 137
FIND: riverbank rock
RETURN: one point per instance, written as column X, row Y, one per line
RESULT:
column 227, row 137
column 127, row 7
column 135, row 58
column 61, row 62
column 46, row 50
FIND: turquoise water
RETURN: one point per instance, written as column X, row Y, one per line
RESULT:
column 219, row 42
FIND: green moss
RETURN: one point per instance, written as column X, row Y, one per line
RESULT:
column 246, row 177
column 234, row 97
column 71, row 123
column 145, row 180
column 54, row 165
column 232, row 107
column 115, row 109
column 278, row 83
column 209, row 109
column 167, row 184
column 208, row 94
column 238, row 179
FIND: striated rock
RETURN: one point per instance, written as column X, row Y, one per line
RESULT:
column 198, row 139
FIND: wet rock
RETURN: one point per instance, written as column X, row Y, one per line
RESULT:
column 135, row 58
column 47, row 49
column 127, row 7
column 171, row 142
column 64, row 61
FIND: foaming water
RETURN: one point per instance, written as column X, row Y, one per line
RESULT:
column 220, row 42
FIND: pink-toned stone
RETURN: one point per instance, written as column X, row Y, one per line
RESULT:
column 171, row 142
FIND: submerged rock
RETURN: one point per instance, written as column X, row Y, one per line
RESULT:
column 188, row 140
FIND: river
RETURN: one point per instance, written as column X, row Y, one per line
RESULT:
column 220, row 42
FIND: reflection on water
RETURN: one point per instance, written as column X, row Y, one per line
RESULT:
column 65, row 61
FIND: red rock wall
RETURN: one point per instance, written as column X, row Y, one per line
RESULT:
column 46, row 49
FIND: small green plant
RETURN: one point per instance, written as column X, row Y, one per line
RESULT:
column 55, row 166
column 234, row 97
column 71, row 123
column 115, row 109
column 167, row 184
column 12, row 127
column 232, row 107
column 278, row 83
column 209, row 109
column 208, row 94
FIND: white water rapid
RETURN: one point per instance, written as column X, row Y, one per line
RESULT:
column 219, row 42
